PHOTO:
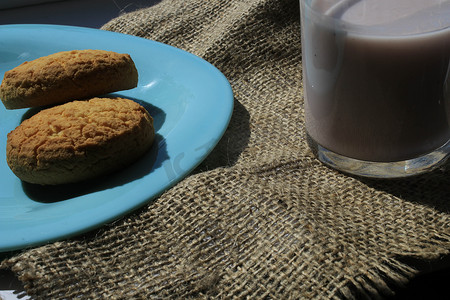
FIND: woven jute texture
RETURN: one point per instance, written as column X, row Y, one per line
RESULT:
column 260, row 218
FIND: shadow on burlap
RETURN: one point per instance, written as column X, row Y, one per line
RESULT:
column 260, row 217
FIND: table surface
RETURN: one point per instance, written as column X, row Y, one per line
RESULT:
column 94, row 14
column 86, row 13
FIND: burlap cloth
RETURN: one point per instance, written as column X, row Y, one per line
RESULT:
column 260, row 217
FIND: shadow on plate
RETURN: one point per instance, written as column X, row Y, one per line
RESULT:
column 152, row 160
column 54, row 193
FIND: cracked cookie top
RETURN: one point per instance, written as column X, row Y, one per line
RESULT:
column 79, row 140
column 66, row 76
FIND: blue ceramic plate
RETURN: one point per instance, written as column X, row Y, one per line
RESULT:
column 190, row 100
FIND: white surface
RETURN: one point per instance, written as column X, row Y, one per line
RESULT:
column 86, row 13
column 10, row 287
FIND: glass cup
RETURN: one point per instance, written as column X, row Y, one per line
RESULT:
column 376, row 78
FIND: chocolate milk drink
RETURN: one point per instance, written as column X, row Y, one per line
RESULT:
column 376, row 75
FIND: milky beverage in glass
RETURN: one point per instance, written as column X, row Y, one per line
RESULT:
column 376, row 77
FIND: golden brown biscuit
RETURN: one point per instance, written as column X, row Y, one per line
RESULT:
column 79, row 140
column 66, row 76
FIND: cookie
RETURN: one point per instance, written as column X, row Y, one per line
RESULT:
column 79, row 140
column 66, row 76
